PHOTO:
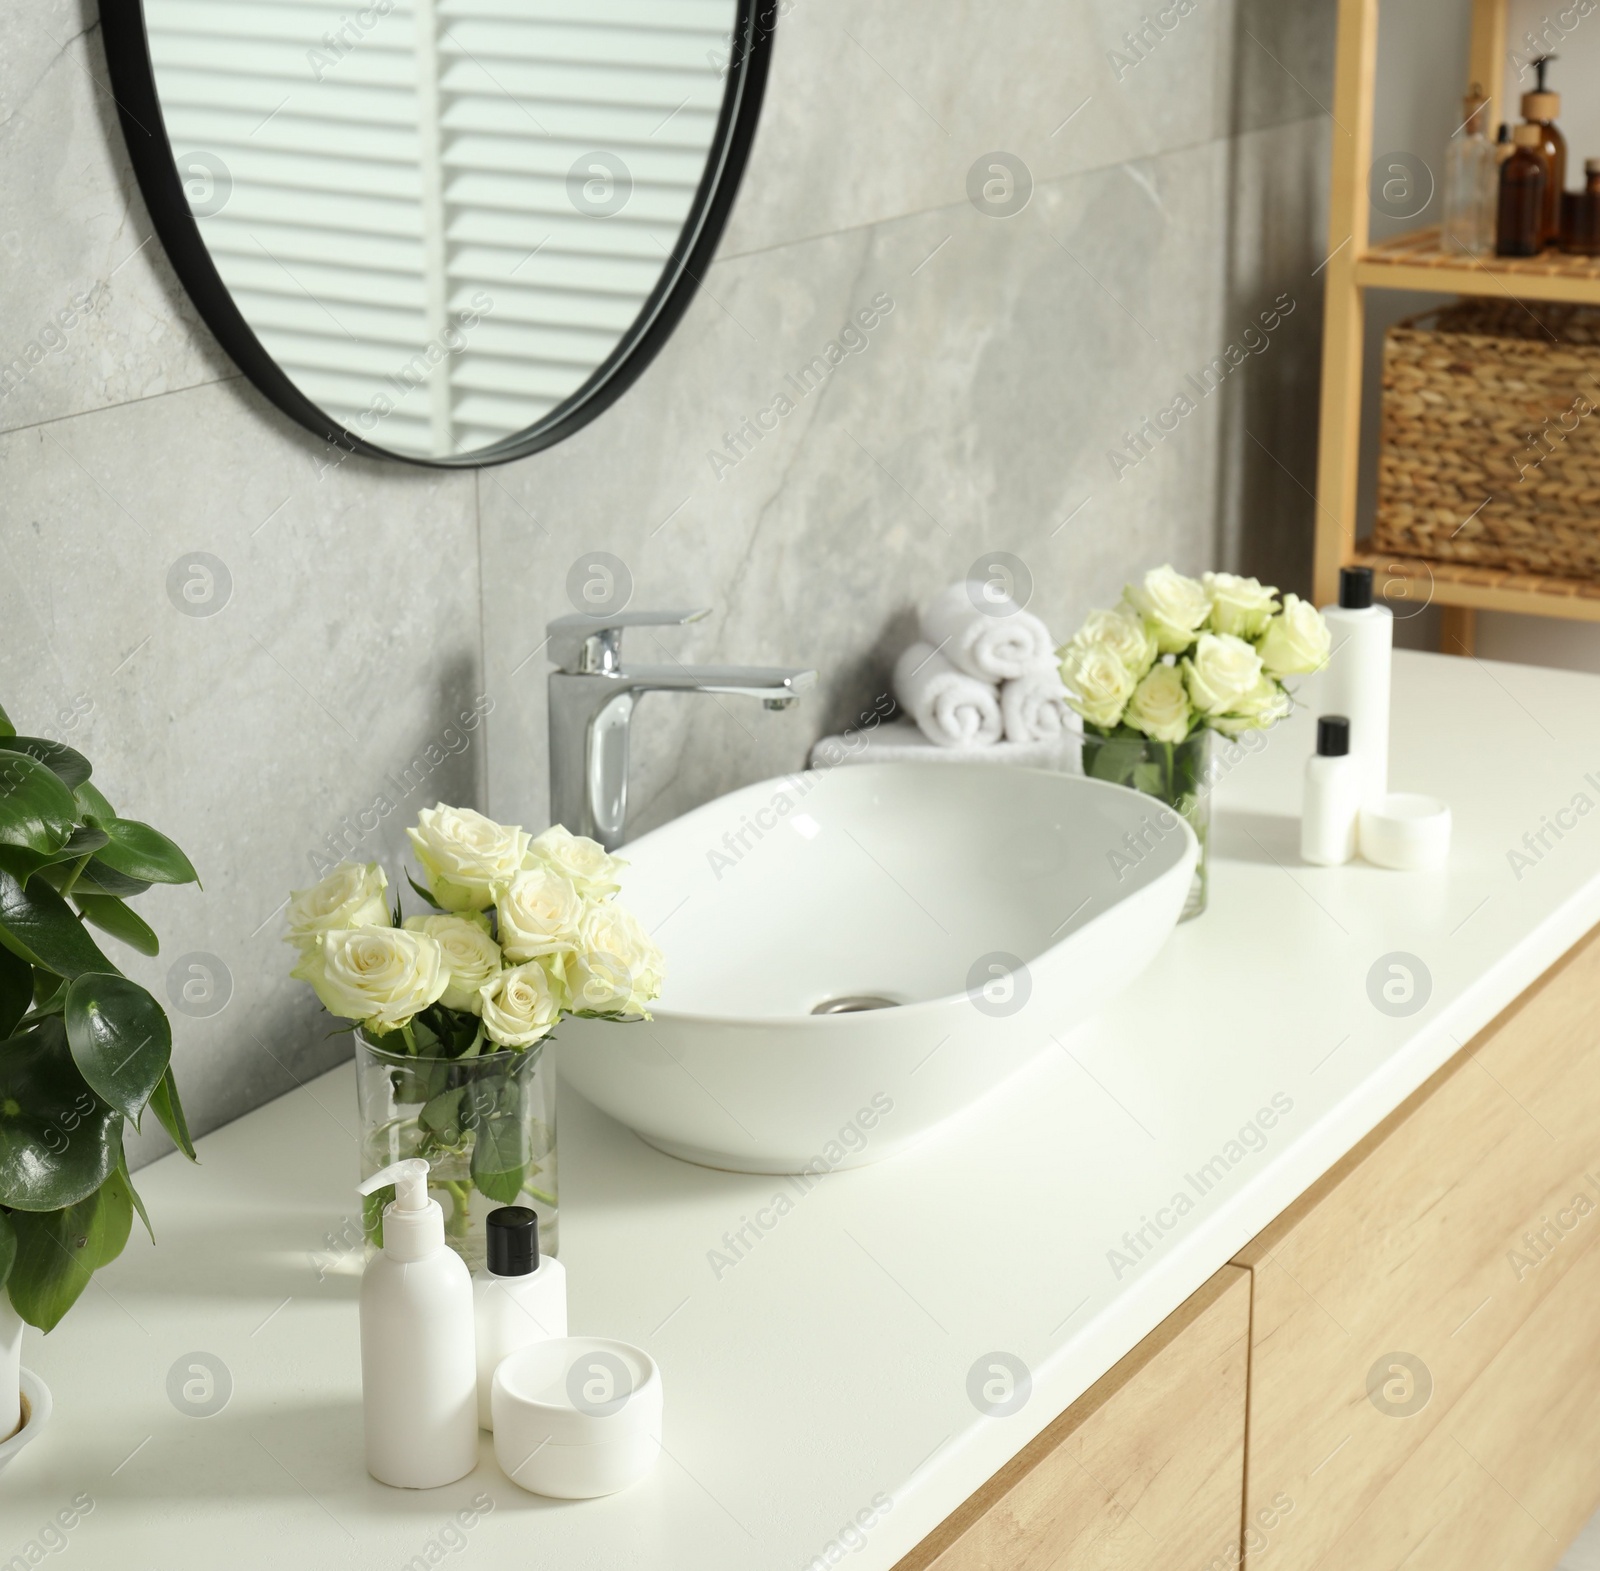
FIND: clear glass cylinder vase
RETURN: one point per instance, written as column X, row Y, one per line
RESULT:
column 486, row 1126
column 1176, row 773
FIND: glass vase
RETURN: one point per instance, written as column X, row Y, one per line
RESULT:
column 486, row 1125
column 1176, row 773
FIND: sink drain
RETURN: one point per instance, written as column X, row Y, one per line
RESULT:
column 852, row 1004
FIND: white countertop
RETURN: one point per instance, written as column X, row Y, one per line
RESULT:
column 827, row 1369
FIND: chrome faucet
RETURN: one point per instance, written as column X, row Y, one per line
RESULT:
column 592, row 698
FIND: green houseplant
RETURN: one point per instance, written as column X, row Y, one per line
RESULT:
column 84, row 1050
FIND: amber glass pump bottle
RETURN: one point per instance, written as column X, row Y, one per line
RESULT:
column 1519, row 227
column 1540, row 108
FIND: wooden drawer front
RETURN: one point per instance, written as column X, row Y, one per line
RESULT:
column 1145, row 1472
column 1513, row 1471
column 1417, row 1258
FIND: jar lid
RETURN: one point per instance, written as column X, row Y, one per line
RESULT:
column 575, row 1391
column 1541, row 106
column 1528, row 135
column 1405, row 831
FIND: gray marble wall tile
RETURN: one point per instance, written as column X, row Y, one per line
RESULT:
column 1174, row 197
column 253, row 651
column 93, row 315
column 1063, row 88
column 980, row 414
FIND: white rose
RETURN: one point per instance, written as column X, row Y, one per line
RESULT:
column 539, row 914
column 617, row 969
column 1174, row 606
column 1098, row 684
column 381, row 976
column 1221, row 671
column 590, row 867
column 1241, row 606
column 1160, row 705
column 520, row 1006
column 1295, row 642
column 471, row 956
column 350, row 896
column 1264, row 705
column 468, row 858
column 1122, row 633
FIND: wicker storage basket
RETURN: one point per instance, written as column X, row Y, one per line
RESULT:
column 1491, row 438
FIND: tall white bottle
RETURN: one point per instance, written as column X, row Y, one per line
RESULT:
column 1356, row 682
column 419, row 1375
column 520, row 1298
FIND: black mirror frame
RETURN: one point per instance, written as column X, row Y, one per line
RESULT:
column 144, row 129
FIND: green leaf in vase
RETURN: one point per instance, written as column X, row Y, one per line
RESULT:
column 8, row 1247
column 442, row 1116
column 500, row 1158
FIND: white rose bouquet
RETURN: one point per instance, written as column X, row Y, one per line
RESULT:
column 1179, row 658
column 520, row 931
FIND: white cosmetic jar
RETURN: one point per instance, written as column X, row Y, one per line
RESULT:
column 576, row 1416
column 1405, row 831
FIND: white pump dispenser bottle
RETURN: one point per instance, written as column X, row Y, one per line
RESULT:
column 419, row 1375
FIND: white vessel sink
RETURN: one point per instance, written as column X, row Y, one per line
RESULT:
column 994, row 908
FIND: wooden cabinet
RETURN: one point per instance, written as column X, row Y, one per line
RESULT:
column 1143, row 1473
column 1415, row 1341
column 1425, row 1374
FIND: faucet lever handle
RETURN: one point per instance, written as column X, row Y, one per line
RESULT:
column 584, row 644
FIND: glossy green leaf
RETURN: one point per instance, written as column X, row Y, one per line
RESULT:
column 67, row 764
column 138, row 851
column 6, row 727
column 91, row 801
column 120, row 1040
column 166, row 1106
column 58, row 1140
column 16, row 991
column 58, row 1252
column 37, row 811
column 98, row 879
column 38, row 924
column 500, row 1158
column 113, row 917
column 133, row 1194
column 8, row 1247
column 23, row 863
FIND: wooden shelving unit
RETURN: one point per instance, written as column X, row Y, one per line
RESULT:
column 1415, row 262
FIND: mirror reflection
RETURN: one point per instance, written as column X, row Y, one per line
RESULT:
column 440, row 217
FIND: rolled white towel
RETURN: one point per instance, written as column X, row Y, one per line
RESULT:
column 1033, row 707
column 996, row 644
column 951, row 708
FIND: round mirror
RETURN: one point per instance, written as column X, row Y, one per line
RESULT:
column 447, row 231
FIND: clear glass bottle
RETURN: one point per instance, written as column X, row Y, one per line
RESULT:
column 1471, row 181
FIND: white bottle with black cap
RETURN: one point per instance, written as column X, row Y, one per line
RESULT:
column 1356, row 682
column 418, row 1374
column 1331, row 810
column 520, row 1298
